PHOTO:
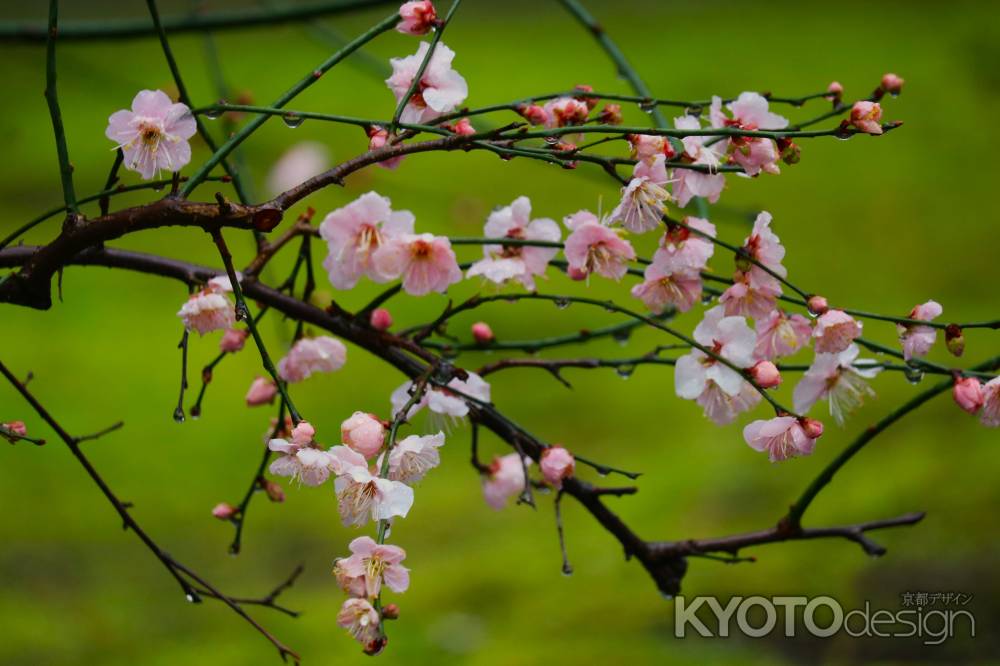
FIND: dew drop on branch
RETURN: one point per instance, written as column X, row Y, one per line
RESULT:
column 293, row 120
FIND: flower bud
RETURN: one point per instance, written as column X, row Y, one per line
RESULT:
column 892, row 84
column 463, row 127
column 766, row 374
column 364, row 433
column 817, row 305
column 416, row 18
column 390, row 612
column 576, row 273
column 274, row 491
column 233, row 340
column 790, row 151
column 224, row 511
column 968, row 394
column 866, row 116
column 261, row 392
column 812, row 427
column 591, row 102
column 556, row 464
column 836, row 91
column 534, row 114
column 16, row 427
column 611, row 114
column 482, row 333
column 303, row 433
column 381, row 320
column 954, row 340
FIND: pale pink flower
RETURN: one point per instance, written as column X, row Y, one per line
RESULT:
column 689, row 183
column 262, row 391
column 297, row 165
column 376, row 563
column 426, row 263
column 681, row 247
column 779, row 334
column 360, row 619
column 208, row 310
column 233, row 340
column 968, row 394
column 644, row 199
column 381, row 319
column 361, row 495
column 662, row 287
column 411, row 458
column 751, row 295
column 154, row 135
column 564, row 111
column 441, row 89
column 892, row 84
column 592, row 247
column 504, row 479
column 727, row 337
column 364, row 433
column 310, row 355
column 838, row 377
column 782, row 437
column 482, row 333
column 765, row 374
column 224, row 511
column 647, row 147
column 378, row 137
column 416, row 18
column 556, row 464
column 519, row 262
column 353, row 585
column 750, row 112
column 308, row 465
column 866, row 116
column 917, row 340
column 835, row 331
column 990, row 416
column 764, row 246
column 723, row 408
column 442, row 400
column 354, row 232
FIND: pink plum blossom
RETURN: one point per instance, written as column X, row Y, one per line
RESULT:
column 376, row 564
column 556, row 464
column 866, row 116
column 564, row 111
column 968, row 394
column 516, row 262
column 353, row 585
column 840, row 378
column 764, row 246
column 312, row 466
column 310, row 355
column 990, row 416
column 779, row 334
column 916, row 339
column 682, row 246
column 364, row 433
column 262, row 392
column 482, row 333
column 154, row 135
column 504, row 479
column 835, row 331
column 355, row 232
column 749, row 112
column 782, row 437
column 412, row 457
column 362, row 495
column 361, row 621
column 689, row 183
column 441, row 400
column 723, row 408
column 662, row 287
column 644, row 199
column 750, row 295
column 233, row 340
column 416, row 18
column 534, row 114
column 297, row 165
column 729, row 338
column 647, row 147
column 426, row 263
column 208, row 310
column 592, row 247
column 441, row 89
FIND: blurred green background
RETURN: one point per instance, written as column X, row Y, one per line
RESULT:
column 876, row 224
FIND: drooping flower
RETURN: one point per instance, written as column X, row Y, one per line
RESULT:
column 262, row 392
column 364, row 433
column 361, row 495
column 990, row 415
column 154, row 135
column 376, row 564
column 644, row 199
column 504, row 479
column 916, row 339
column 298, row 164
column 968, row 394
column 866, row 116
column 679, row 288
column 556, row 464
column 445, row 401
column 360, row 619
column 233, row 340
column 689, row 183
column 682, row 246
column 378, row 137
column 592, row 247
column 751, row 295
column 729, row 338
column 516, row 262
column 416, row 18
column 723, row 408
column 779, row 334
column 426, row 263
column 782, row 437
column 310, row 355
column 354, row 232
column 441, row 89
column 411, row 458
column 838, row 377
column 835, row 331
column 209, row 309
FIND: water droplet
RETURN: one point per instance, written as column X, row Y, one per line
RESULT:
column 668, row 597
column 552, row 140
column 625, row 371
column 562, row 303
column 706, row 298
column 293, row 120
column 913, row 375
column 215, row 113
column 647, row 106
column 179, row 415
column 567, row 569
column 603, row 471
column 192, row 598
column 621, row 337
